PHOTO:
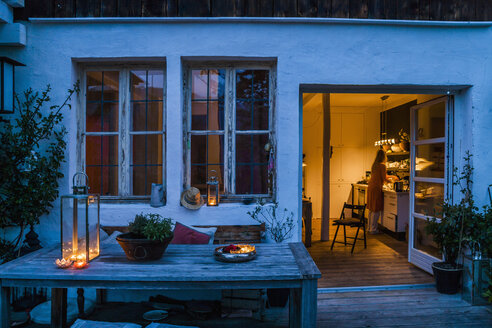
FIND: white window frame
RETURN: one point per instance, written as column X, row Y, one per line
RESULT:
column 229, row 124
column 124, row 126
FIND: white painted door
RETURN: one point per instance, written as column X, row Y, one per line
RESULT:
column 430, row 155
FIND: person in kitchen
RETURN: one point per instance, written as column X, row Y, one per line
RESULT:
column 375, row 190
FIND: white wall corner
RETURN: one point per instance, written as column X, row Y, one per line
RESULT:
column 15, row 3
column 6, row 13
column 13, row 35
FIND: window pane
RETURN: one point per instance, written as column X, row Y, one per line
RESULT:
column 146, row 162
column 198, row 149
column 109, row 180
column 200, row 174
column 243, row 179
column 199, row 115
column 147, row 149
column 207, row 153
column 251, row 164
column 101, row 150
column 199, row 84
column 143, row 177
column 111, row 86
column 93, row 117
column 260, row 181
column 155, row 81
column 208, row 84
column 199, row 178
column 214, row 110
column 102, row 86
column 252, row 84
column 431, row 121
column 215, row 115
column 94, row 86
column 147, row 116
column 244, row 84
column 103, row 180
column 252, row 115
column 422, row 241
column 215, row 149
column 251, row 148
column 252, row 179
column 430, row 160
column 429, row 198
column 138, row 85
column 260, row 84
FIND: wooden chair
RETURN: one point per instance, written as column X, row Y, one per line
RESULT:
column 355, row 220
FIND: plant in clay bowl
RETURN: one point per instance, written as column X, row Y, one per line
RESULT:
column 149, row 236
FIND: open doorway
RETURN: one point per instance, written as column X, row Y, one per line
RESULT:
column 341, row 135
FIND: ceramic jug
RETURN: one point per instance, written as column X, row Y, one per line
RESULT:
column 157, row 195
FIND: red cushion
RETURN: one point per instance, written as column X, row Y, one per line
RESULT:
column 186, row 235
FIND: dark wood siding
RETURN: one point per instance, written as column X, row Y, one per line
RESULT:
column 448, row 10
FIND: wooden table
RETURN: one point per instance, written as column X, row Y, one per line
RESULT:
column 182, row 267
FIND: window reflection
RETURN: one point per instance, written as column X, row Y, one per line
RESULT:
column 431, row 121
column 429, row 161
column 423, row 241
column 429, row 198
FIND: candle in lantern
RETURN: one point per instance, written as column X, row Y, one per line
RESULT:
column 212, row 201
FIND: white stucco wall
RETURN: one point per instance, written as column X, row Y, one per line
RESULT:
column 328, row 53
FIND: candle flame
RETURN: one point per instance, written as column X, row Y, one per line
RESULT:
column 244, row 248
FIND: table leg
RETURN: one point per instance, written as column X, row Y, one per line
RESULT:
column 303, row 304
column 5, row 307
column 81, row 302
column 58, row 307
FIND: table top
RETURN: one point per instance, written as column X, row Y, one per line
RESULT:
column 180, row 263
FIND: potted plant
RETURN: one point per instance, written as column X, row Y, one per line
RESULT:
column 404, row 140
column 447, row 232
column 278, row 225
column 148, row 237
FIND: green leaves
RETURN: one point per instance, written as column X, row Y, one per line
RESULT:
column 152, row 226
column 278, row 226
column 32, row 149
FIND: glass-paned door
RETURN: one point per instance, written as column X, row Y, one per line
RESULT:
column 430, row 162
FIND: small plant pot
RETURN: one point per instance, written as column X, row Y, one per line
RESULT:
column 447, row 276
column 138, row 249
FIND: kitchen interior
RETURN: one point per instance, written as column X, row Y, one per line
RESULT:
column 359, row 125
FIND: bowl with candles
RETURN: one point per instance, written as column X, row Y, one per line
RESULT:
column 235, row 253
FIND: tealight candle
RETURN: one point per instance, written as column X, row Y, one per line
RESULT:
column 80, row 264
column 63, row 264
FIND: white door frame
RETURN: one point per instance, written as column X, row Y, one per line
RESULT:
column 417, row 257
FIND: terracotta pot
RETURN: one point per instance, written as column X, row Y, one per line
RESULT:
column 404, row 145
column 138, row 249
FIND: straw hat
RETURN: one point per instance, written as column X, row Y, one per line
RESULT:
column 191, row 198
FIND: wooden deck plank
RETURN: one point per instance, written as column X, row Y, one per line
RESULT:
column 383, row 262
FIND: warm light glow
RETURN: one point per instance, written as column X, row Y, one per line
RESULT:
column 62, row 263
column 80, row 264
column 243, row 249
column 79, row 257
column 212, row 201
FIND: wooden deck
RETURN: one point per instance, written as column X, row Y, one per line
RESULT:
column 383, row 262
column 395, row 308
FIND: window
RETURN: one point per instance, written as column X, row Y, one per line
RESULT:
column 123, row 130
column 228, row 129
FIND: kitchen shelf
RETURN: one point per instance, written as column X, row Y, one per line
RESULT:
column 398, row 153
